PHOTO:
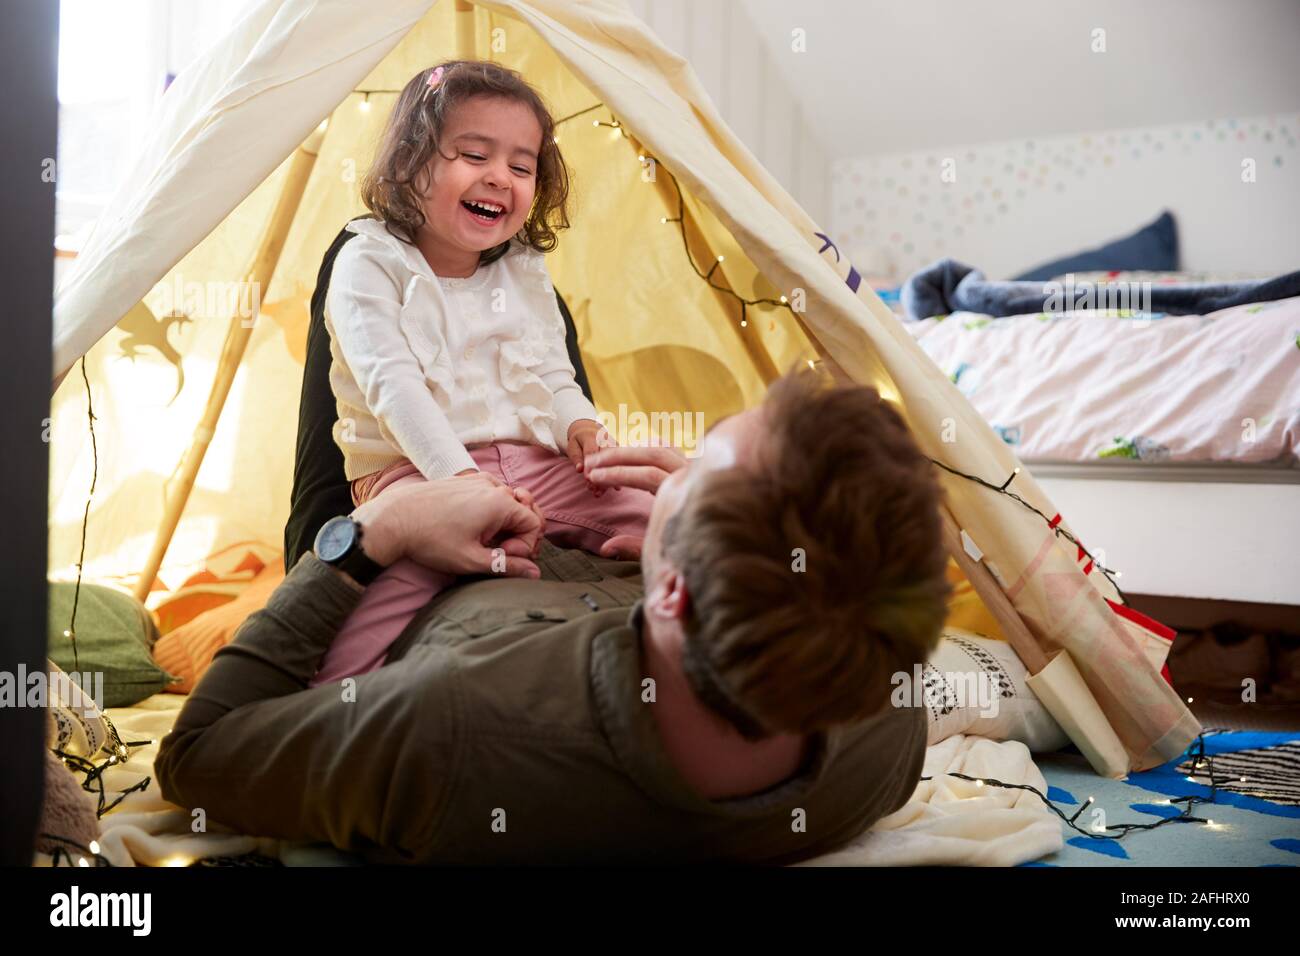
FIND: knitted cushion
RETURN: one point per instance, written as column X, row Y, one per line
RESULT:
column 114, row 635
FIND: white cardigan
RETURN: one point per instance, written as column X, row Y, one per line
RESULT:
column 425, row 366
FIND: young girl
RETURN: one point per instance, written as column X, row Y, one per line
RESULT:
column 447, row 342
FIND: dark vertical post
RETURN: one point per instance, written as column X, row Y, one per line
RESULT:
column 29, row 118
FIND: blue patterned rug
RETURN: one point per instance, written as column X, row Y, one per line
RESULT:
column 1255, row 814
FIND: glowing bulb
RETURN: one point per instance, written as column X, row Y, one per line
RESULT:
column 812, row 364
column 595, row 122
column 720, row 258
column 365, row 106
column 979, row 783
column 744, row 322
column 94, row 846
column 82, row 862
column 663, row 219
column 1090, row 799
column 323, row 123
column 1189, row 700
column 784, row 299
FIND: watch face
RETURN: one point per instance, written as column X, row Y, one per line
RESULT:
column 335, row 538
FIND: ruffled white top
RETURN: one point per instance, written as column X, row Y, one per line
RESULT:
column 426, row 366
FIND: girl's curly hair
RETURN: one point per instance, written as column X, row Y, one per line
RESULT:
column 391, row 190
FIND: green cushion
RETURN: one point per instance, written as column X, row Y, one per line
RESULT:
column 115, row 634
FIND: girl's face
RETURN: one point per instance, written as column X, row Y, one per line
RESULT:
column 495, row 143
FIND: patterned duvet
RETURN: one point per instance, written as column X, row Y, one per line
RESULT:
column 1118, row 384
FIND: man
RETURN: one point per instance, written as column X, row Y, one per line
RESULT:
column 737, row 710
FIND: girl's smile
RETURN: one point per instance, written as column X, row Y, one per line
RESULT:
column 481, row 184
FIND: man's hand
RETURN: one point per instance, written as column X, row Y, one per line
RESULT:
column 461, row 525
column 636, row 466
column 585, row 438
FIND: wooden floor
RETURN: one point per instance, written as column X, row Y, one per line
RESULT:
column 1257, row 716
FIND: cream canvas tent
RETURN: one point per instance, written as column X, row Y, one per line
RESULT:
column 250, row 171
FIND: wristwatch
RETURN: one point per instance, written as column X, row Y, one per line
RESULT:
column 338, row 543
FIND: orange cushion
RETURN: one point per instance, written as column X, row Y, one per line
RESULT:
column 188, row 650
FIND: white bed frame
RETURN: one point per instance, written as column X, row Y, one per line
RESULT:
column 1226, row 532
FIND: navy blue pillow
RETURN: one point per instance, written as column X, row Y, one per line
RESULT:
column 1152, row 248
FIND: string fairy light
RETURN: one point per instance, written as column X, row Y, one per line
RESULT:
column 1055, row 525
column 1122, row 830
column 62, row 852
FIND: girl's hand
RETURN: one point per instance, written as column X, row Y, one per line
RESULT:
column 586, row 437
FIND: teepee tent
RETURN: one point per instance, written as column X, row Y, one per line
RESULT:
column 189, row 305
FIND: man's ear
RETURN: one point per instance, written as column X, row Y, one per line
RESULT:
column 668, row 598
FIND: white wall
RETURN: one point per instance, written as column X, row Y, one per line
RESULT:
column 739, row 72
column 892, row 76
column 1017, row 203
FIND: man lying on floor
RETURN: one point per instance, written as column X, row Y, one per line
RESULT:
column 737, row 709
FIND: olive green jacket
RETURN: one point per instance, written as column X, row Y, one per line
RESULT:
column 508, row 726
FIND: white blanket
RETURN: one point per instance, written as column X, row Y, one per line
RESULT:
column 954, row 822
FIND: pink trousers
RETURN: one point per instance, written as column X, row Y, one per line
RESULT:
column 575, row 518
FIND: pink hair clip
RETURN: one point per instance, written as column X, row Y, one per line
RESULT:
column 434, row 79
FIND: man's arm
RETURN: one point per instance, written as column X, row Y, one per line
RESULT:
column 259, row 753
column 358, row 766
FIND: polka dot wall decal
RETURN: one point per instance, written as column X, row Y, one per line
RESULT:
column 1020, row 194
column 1196, row 134
column 907, row 162
column 1002, row 207
column 859, row 202
column 908, row 247
column 1277, row 160
column 895, row 237
column 1107, row 159
column 1007, row 167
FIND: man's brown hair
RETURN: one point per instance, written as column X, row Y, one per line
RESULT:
column 392, row 187
column 817, row 572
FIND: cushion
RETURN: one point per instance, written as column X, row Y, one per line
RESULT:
column 115, row 634
column 1152, row 248
column 188, row 650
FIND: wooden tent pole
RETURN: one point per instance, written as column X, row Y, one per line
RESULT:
column 466, row 41
column 258, row 276
column 994, row 598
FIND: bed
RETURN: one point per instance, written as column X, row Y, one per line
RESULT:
column 1171, row 443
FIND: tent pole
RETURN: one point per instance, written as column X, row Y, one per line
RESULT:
column 994, row 598
column 1056, row 681
column 258, row 276
column 466, row 42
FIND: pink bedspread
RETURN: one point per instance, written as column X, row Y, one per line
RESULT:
column 1081, row 386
